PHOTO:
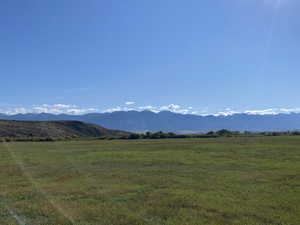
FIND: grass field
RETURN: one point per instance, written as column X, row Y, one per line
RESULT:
column 223, row 181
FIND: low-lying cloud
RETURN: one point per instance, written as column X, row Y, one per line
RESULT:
column 131, row 106
column 129, row 103
column 172, row 108
column 53, row 109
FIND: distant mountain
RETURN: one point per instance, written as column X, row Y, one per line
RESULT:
column 167, row 121
column 12, row 128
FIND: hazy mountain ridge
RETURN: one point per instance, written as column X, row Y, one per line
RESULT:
column 168, row 121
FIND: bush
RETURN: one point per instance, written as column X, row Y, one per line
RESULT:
column 210, row 133
column 224, row 132
column 296, row 133
column 134, row 136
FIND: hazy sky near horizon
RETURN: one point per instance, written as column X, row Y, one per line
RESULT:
column 209, row 55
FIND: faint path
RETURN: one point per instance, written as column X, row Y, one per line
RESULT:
column 39, row 189
column 19, row 220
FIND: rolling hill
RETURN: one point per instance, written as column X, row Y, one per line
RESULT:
column 12, row 128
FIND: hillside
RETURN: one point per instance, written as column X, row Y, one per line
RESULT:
column 12, row 128
column 168, row 121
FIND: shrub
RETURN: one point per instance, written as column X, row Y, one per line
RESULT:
column 134, row 136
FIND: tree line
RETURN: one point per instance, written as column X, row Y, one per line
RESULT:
column 156, row 135
column 210, row 134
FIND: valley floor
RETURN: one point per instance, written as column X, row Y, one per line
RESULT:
column 222, row 181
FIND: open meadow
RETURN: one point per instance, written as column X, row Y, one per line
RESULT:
column 218, row 181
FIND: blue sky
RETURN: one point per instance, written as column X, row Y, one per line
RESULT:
column 231, row 55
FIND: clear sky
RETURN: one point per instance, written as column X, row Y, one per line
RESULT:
column 211, row 55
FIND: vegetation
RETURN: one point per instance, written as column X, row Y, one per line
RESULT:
column 211, row 134
column 32, row 131
column 217, row 181
column 119, row 135
column 52, row 130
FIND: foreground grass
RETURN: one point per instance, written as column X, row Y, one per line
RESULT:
column 242, row 181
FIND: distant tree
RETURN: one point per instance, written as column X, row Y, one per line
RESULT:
column 134, row 136
column 147, row 135
column 157, row 135
column 161, row 134
column 296, row 133
column 210, row 133
column 224, row 132
column 275, row 134
column 171, row 135
column 236, row 133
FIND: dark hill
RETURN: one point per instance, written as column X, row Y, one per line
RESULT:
column 12, row 128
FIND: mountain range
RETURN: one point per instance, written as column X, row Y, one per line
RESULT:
column 166, row 121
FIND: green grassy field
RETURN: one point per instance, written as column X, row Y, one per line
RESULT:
column 223, row 181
